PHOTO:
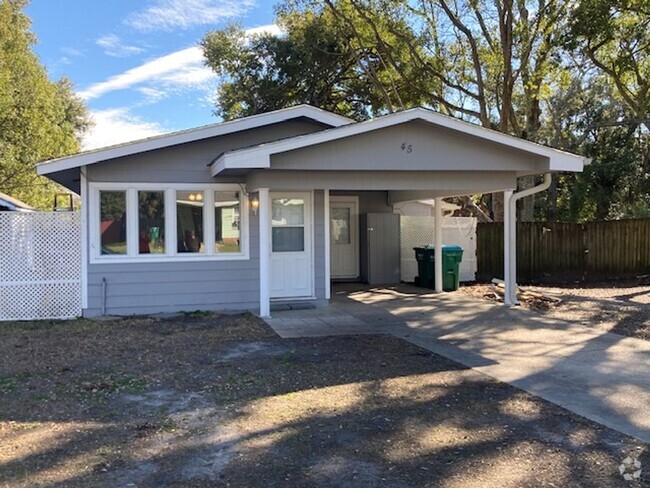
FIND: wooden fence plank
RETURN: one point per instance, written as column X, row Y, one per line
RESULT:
column 549, row 251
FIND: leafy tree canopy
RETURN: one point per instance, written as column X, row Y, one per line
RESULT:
column 39, row 119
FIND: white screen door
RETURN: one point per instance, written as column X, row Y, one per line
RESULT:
column 291, row 256
column 344, row 237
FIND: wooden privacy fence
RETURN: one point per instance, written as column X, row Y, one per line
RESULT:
column 559, row 251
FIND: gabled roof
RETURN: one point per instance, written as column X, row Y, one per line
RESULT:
column 191, row 135
column 259, row 157
column 13, row 204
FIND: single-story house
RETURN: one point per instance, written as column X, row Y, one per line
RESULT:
column 272, row 208
column 11, row 204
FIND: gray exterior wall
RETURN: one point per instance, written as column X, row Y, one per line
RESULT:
column 319, row 244
column 426, row 147
column 142, row 288
column 188, row 163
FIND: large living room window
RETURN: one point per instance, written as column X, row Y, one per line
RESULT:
column 144, row 222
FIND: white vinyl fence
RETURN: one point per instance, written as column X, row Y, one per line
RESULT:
column 418, row 231
column 40, row 265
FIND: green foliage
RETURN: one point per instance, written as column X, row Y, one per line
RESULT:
column 573, row 75
column 39, row 119
column 320, row 61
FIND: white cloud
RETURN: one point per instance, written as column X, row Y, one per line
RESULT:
column 182, row 14
column 265, row 29
column 174, row 72
column 113, row 46
column 118, row 125
column 184, row 66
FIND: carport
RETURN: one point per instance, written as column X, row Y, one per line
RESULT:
column 412, row 155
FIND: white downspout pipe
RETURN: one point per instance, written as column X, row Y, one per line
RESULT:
column 507, row 195
column 512, row 277
column 437, row 237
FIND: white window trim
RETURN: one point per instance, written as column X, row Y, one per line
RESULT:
column 171, row 254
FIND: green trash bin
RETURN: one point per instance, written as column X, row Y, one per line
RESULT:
column 451, row 258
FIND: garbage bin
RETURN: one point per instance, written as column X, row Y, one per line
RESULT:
column 451, row 258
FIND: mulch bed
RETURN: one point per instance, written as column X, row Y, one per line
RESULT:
column 220, row 400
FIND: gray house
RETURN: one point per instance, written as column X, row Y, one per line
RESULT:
column 272, row 208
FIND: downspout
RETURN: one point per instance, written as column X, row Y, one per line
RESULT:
column 511, row 280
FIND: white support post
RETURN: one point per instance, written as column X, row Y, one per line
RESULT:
column 437, row 215
column 265, row 252
column 85, row 204
column 326, row 203
column 508, row 250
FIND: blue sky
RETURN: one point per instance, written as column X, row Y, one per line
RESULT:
column 136, row 62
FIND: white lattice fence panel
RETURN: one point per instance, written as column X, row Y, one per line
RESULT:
column 40, row 265
column 419, row 231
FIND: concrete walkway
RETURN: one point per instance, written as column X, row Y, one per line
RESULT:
column 601, row 376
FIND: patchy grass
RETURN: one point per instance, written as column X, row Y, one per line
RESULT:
column 218, row 400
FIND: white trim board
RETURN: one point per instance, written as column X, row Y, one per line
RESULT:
column 259, row 157
column 191, row 135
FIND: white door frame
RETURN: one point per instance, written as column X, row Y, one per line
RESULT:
column 355, row 201
column 309, row 239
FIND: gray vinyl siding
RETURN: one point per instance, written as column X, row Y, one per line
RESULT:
column 188, row 163
column 411, row 146
column 143, row 288
column 319, row 243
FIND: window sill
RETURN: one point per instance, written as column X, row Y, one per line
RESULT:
column 167, row 259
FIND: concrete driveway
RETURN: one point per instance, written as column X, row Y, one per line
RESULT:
column 601, row 376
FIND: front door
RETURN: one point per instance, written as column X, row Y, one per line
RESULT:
column 291, row 256
column 344, row 237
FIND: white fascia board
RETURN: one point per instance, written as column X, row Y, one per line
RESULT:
column 255, row 157
column 191, row 135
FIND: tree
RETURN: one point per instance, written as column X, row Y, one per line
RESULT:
column 318, row 60
column 39, row 119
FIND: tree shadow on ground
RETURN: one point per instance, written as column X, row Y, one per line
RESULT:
column 158, row 403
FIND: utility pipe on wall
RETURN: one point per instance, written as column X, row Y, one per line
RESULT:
column 511, row 279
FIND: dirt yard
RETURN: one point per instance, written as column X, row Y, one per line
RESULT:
column 621, row 306
column 208, row 400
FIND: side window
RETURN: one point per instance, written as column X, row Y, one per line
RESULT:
column 151, row 222
column 227, row 221
column 112, row 222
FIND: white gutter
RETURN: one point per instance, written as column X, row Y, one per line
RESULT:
column 511, row 234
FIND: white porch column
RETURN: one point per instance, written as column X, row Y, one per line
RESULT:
column 437, row 271
column 508, row 250
column 265, row 252
column 326, row 203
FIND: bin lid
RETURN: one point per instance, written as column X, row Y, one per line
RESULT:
column 452, row 248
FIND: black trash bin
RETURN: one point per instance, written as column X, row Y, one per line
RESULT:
column 451, row 258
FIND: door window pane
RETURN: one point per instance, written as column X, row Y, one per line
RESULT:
column 288, row 239
column 227, row 221
column 287, row 220
column 340, row 225
column 288, row 211
column 151, row 222
column 112, row 222
column 189, row 221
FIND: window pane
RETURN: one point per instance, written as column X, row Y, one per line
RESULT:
column 288, row 211
column 341, row 225
column 189, row 221
column 151, row 222
column 288, row 239
column 112, row 226
column 227, row 221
